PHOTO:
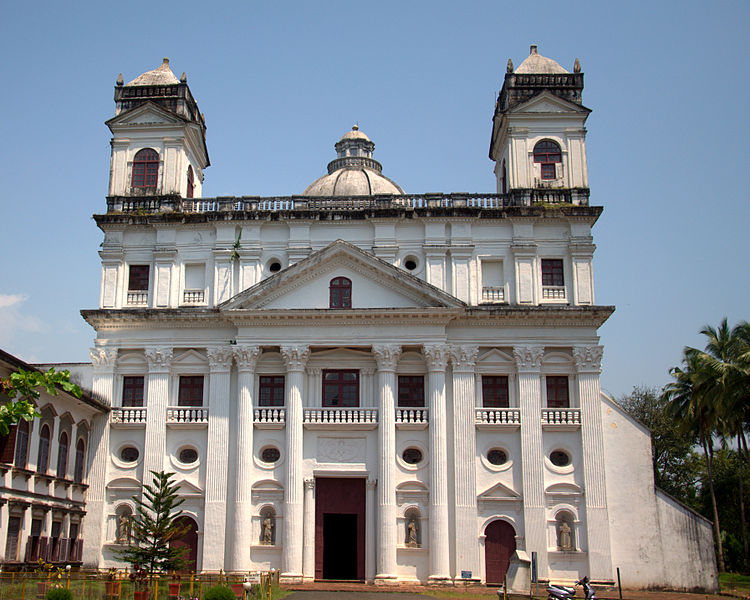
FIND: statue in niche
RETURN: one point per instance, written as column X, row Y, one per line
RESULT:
column 267, row 530
column 123, row 529
column 412, row 533
column 564, row 537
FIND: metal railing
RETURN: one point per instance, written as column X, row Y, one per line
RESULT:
column 343, row 416
column 128, row 415
column 497, row 416
column 561, row 416
column 187, row 414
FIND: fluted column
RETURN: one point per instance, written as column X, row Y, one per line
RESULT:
column 386, row 358
column 308, row 542
column 103, row 361
column 370, row 546
column 463, row 359
column 157, row 398
column 436, row 356
column 295, row 358
column 215, row 509
column 246, row 357
column 529, row 362
column 588, row 366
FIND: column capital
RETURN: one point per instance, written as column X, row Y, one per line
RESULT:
column 295, row 357
column 588, row 358
column 246, row 357
column 103, row 358
column 220, row 358
column 314, row 371
column 436, row 356
column 371, row 484
column 463, row 357
column 159, row 359
column 386, row 356
column 528, row 358
column 310, row 483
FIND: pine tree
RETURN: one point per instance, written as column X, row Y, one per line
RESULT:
column 154, row 526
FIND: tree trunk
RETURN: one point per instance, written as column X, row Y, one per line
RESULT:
column 742, row 503
column 709, row 454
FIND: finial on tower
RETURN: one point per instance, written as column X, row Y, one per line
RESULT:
column 183, row 78
column 509, row 67
column 355, row 127
column 532, row 50
column 165, row 61
column 577, row 66
column 119, row 80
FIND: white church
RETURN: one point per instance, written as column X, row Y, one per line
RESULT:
column 360, row 383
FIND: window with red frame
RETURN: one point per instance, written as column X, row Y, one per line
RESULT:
column 547, row 153
column 340, row 293
column 132, row 390
column 552, row 272
column 145, row 168
column 341, row 388
column 191, row 391
column 138, row 278
column 411, row 390
column 271, row 390
column 190, row 182
column 557, row 391
column 495, row 391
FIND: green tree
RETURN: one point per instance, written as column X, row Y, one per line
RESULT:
column 24, row 387
column 154, row 526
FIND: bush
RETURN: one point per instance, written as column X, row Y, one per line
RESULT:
column 59, row 594
column 219, row 592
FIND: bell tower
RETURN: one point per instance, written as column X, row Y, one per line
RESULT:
column 158, row 137
column 538, row 133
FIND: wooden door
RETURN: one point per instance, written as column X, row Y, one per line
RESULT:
column 499, row 546
column 188, row 540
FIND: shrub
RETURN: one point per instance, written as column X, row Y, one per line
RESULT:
column 219, row 592
column 59, row 594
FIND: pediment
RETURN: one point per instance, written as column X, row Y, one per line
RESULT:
column 495, row 356
column 148, row 113
column 375, row 284
column 187, row 489
column 411, row 492
column 547, row 102
column 499, row 493
column 267, row 490
column 563, row 489
column 124, row 484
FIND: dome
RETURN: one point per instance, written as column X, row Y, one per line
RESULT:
column 538, row 64
column 354, row 172
column 162, row 75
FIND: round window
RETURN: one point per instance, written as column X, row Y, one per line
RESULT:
column 274, row 266
column 270, row 454
column 129, row 454
column 412, row 456
column 559, row 458
column 188, row 456
column 497, row 457
column 410, row 264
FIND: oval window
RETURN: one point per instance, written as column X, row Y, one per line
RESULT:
column 410, row 264
column 274, row 266
column 188, row 456
column 497, row 457
column 270, row 454
column 129, row 454
column 412, row 456
column 559, row 458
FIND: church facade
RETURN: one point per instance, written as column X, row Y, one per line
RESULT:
column 357, row 382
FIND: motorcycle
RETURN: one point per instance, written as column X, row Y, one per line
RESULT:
column 561, row 592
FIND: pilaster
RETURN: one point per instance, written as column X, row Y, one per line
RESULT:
column 386, row 357
column 370, row 545
column 436, row 357
column 157, row 398
column 308, row 541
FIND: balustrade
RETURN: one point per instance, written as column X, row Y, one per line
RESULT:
column 187, row 414
column 128, row 415
column 412, row 416
column 137, row 298
column 553, row 292
column 353, row 417
column 562, row 417
column 269, row 415
column 493, row 294
column 194, row 297
column 493, row 417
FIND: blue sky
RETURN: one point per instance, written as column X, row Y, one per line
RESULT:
column 280, row 82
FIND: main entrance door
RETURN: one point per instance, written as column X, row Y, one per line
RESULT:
column 499, row 546
column 339, row 528
column 189, row 540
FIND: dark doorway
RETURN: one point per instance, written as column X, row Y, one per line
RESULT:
column 339, row 528
column 339, row 546
column 499, row 546
column 189, row 540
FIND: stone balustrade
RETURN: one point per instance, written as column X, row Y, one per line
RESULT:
column 418, row 417
column 366, row 418
column 497, row 417
column 561, row 417
column 187, row 414
column 128, row 415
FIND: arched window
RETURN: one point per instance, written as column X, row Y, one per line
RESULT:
column 547, row 153
column 43, row 460
column 62, row 456
column 79, row 464
column 268, row 526
column 565, row 530
column 22, row 444
column 190, row 182
column 341, row 293
column 145, row 168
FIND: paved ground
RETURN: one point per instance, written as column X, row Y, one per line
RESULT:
column 341, row 595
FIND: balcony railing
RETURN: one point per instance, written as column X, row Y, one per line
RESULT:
column 498, row 416
column 412, row 416
column 128, row 415
column 553, row 292
column 193, row 297
column 564, row 417
column 269, row 415
column 187, row 414
column 365, row 417
column 137, row 298
column 493, row 294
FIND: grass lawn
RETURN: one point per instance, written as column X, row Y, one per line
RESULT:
column 734, row 583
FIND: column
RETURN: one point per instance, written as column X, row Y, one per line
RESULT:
column 588, row 366
column 295, row 358
column 370, row 546
column 386, row 358
column 528, row 363
column 215, row 509
column 157, row 399
column 308, row 542
column 103, row 361
column 463, row 359
column 246, row 357
column 436, row 356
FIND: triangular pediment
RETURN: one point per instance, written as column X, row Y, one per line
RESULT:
column 499, row 493
column 546, row 102
column 374, row 282
column 148, row 113
column 187, row 489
